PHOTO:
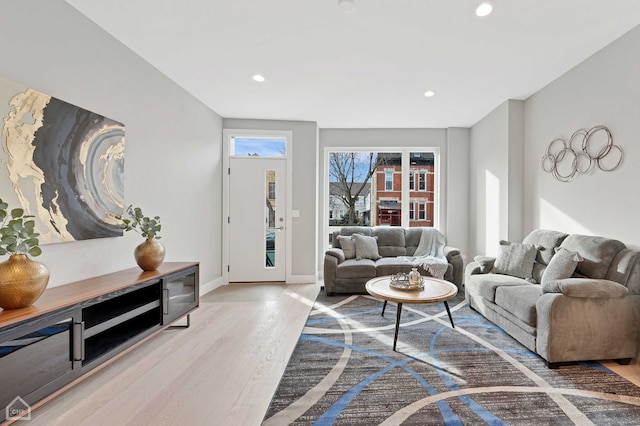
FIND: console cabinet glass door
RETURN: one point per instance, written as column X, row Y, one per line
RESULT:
column 35, row 357
column 180, row 294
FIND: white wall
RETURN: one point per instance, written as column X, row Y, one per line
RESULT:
column 604, row 89
column 305, row 146
column 496, row 178
column 173, row 141
column 457, row 139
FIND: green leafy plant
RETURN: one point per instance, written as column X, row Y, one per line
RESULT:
column 17, row 232
column 138, row 222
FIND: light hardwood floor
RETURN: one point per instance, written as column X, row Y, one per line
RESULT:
column 222, row 370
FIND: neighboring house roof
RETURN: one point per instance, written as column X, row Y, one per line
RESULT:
column 338, row 190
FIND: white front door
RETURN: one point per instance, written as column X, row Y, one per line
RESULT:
column 257, row 222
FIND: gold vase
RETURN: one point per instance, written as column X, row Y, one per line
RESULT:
column 22, row 281
column 149, row 255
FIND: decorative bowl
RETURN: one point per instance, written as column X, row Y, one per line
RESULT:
column 400, row 281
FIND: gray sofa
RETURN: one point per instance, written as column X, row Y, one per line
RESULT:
column 343, row 275
column 562, row 314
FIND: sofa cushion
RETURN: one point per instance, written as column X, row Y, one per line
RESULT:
column 562, row 265
column 392, row 265
column 520, row 301
column 515, row 259
column 598, row 253
column 366, row 247
column 348, row 246
column 586, row 287
column 485, row 285
column 391, row 240
column 546, row 242
column 351, row 268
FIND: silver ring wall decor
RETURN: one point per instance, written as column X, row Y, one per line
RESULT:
column 566, row 161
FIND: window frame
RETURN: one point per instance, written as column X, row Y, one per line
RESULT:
column 406, row 152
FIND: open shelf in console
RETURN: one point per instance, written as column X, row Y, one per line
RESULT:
column 114, row 337
column 118, row 308
column 115, row 318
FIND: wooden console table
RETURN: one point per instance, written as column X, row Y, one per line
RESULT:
column 75, row 328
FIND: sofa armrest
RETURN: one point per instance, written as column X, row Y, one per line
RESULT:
column 586, row 287
column 454, row 258
column 450, row 251
column 337, row 253
column 472, row 268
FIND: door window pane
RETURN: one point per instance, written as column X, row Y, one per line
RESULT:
column 270, row 219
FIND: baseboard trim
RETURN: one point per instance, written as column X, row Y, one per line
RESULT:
column 211, row 285
column 302, row 279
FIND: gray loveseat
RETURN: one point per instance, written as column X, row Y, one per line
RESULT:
column 344, row 275
column 562, row 314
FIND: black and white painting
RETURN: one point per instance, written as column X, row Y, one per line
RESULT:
column 62, row 164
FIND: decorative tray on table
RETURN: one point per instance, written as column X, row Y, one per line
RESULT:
column 401, row 281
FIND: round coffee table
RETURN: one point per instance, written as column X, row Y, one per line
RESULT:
column 434, row 290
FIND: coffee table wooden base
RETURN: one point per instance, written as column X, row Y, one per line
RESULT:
column 435, row 290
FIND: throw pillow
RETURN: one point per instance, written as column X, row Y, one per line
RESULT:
column 366, row 247
column 348, row 246
column 485, row 262
column 562, row 265
column 515, row 259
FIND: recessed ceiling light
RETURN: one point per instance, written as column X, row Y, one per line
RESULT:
column 347, row 5
column 484, row 8
column 429, row 93
column 257, row 77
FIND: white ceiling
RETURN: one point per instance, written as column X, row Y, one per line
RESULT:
column 364, row 69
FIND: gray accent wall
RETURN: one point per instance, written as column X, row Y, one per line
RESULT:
column 173, row 151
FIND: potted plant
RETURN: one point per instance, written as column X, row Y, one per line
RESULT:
column 22, row 280
column 150, row 254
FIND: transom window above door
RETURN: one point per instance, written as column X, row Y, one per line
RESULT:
column 254, row 146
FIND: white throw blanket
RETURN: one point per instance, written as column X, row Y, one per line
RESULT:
column 430, row 253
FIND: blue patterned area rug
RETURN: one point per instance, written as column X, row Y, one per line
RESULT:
column 343, row 371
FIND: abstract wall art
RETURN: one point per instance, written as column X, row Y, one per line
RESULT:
column 62, row 164
column 586, row 152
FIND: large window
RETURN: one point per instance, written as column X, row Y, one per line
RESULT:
column 369, row 188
